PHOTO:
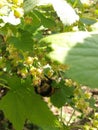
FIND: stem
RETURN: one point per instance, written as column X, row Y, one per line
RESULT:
column 3, row 85
column 77, row 126
column 61, row 115
column 3, row 80
column 71, row 118
column 75, row 3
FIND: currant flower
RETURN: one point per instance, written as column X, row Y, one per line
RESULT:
column 29, row 60
column 36, row 81
column 87, row 95
column 23, row 72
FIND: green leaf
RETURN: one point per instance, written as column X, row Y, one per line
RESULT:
column 21, row 103
column 88, row 21
column 24, row 42
column 79, row 51
column 61, row 7
column 35, row 23
column 65, row 12
column 29, row 5
column 62, row 95
column 46, row 22
column 94, row 27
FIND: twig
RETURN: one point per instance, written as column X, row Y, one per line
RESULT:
column 71, row 117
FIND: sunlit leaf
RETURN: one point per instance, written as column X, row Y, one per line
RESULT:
column 79, row 51
column 30, row 4
column 94, row 27
column 64, row 11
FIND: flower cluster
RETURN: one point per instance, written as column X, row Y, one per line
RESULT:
column 11, row 11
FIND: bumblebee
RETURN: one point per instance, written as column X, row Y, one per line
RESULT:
column 45, row 88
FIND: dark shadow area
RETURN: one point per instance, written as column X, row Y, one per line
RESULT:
column 5, row 124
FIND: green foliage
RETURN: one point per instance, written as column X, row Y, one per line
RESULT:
column 88, row 21
column 22, row 103
column 55, row 64
column 30, row 4
column 63, row 95
column 25, row 38
column 46, row 22
column 60, row 7
column 79, row 51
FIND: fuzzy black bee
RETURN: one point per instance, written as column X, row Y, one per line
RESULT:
column 45, row 89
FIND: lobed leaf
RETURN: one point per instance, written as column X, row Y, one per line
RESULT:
column 22, row 103
column 62, row 95
column 78, row 50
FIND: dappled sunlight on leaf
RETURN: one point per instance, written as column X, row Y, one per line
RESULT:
column 79, row 51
